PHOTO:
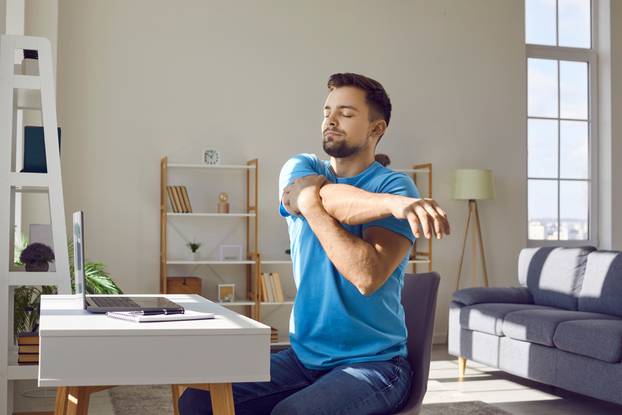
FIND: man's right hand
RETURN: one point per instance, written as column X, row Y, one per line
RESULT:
column 425, row 212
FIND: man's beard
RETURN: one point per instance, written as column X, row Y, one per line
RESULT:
column 339, row 149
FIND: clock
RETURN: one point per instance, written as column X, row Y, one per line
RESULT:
column 211, row 156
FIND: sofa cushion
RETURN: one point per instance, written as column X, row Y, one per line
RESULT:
column 602, row 284
column 488, row 318
column 553, row 275
column 538, row 326
column 478, row 295
column 598, row 339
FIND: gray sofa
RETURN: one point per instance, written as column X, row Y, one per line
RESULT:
column 562, row 326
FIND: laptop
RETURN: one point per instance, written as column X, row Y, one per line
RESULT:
column 104, row 304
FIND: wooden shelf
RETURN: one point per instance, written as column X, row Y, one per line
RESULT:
column 211, row 166
column 17, row 278
column 216, row 215
column 276, row 261
column 423, row 171
column 236, row 303
column 16, row 371
column 27, row 82
column 29, row 180
column 283, row 341
column 208, row 262
column 277, row 302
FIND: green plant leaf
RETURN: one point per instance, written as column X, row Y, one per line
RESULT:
column 27, row 298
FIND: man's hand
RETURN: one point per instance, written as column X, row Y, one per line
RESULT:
column 420, row 211
column 303, row 194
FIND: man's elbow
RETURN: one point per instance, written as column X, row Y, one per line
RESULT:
column 370, row 284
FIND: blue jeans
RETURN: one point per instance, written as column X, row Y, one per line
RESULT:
column 358, row 389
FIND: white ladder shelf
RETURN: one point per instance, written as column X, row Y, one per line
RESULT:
column 12, row 182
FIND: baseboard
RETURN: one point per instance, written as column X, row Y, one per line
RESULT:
column 439, row 338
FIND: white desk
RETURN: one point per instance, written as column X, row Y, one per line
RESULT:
column 79, row 349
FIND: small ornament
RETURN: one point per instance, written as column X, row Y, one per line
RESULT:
column 223, row 203
column 211, row 156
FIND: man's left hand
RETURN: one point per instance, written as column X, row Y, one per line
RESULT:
column 303, row 193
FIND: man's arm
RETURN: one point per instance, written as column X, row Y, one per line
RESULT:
column 354, row 206
column 370, row 261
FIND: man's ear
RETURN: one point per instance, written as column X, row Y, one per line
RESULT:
column 378, row 128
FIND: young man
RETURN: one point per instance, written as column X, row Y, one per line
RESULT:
column 351, row 224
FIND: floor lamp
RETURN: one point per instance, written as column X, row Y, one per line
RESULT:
column 473, row 185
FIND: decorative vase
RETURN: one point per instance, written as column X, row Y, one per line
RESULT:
column 37, row 267
column 196, row 256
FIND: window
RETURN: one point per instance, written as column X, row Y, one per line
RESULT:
column 561, row 137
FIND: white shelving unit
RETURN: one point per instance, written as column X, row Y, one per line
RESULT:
column 251, row 170
column 17, row 93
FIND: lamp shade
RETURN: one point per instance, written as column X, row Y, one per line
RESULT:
column 474, row 184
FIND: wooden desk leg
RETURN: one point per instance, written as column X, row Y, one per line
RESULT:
column 176, row 390
column 78, row 400
column 222, row 398
column 61, row 401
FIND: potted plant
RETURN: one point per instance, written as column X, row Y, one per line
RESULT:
column 37, row 257
column 26, row 306
column 194, row 247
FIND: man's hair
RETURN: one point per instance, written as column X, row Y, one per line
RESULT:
column 375, row 95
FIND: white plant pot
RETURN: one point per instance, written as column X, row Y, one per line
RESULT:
column 196, row 256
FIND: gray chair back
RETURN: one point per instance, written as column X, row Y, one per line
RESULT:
column 419, row 301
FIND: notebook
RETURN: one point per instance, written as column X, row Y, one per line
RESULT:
column 139, row 317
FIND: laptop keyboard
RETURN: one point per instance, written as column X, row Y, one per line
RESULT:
column 114, row 302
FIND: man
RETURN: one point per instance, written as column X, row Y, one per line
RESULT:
column 351, row 223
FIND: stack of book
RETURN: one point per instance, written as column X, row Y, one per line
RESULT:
column 178, row 198
column 28, row 352
column 271, row 289
column 274, row 334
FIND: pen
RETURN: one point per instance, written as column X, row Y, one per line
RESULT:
column 163, row 311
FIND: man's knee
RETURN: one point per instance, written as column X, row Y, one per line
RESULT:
column 195, row 402
column 289, row 406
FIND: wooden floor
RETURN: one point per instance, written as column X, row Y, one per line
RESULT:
column 510, row 393
column 515, row 395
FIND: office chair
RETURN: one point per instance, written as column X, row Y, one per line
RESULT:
column 419, row 301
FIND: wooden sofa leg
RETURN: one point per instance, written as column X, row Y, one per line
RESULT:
column 462, row 361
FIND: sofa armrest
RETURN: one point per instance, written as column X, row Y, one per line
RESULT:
column 478, row 295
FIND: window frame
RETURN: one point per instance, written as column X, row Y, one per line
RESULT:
column 564, row 53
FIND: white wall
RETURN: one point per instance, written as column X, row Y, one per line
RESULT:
column 142, row 79
column 616, row 120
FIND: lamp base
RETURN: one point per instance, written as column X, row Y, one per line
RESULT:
column 476, row 237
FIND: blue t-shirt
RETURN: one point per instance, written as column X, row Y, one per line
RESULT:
column 332, row 323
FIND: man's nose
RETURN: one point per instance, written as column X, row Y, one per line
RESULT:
column 331, row 121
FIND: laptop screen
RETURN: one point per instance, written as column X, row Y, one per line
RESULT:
column 78, row 254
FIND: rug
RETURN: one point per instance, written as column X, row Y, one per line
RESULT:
column 462, row 408
column 156, row 400
column 142, row 400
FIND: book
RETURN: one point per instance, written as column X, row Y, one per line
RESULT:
column 279, row 288
column 270, row 287
column 173, row 198
column 28, row 358
column 28, row 349
column 169, row 192
column 186, row 198
column 180, row 200
column 264, row 288
column 28, row 338
column 275, row 296
column 139, row 317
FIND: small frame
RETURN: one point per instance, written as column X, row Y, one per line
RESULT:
column 230, row 252
column 226, row 293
